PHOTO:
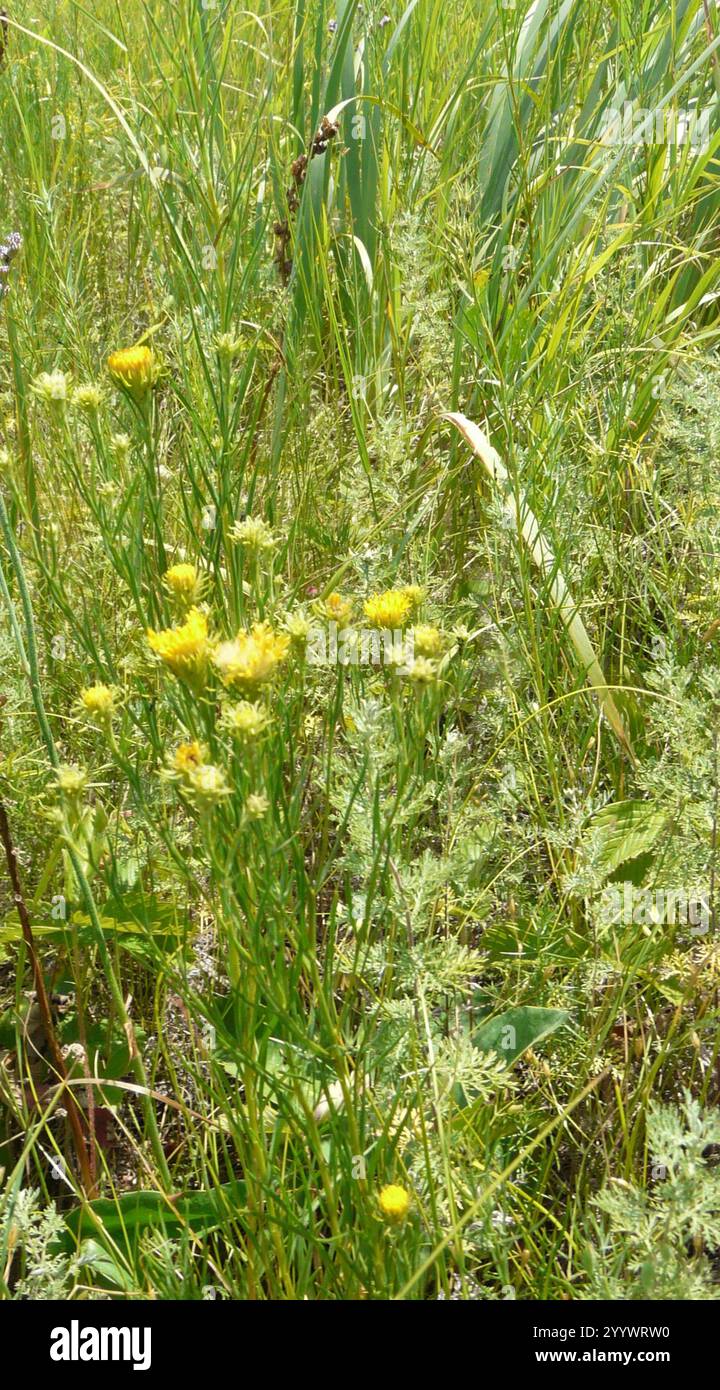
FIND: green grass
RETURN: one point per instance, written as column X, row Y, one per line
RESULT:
column 469, row 346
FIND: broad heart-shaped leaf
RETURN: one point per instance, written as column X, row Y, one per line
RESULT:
column 512, row 1033
column 623, row 831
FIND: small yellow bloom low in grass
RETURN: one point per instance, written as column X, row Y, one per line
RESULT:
column 251, row 659
column 298, row 628
column 183, row 583
column 256, row 806
column 244, row 720
column 121, row 445
column 394, row 1202
column 228, row 346
column 184, row 649
column 53, row 387
column 135, row 369
column 98, row 701
column 254, row 534
column 427, row 641
column 207, row 786
column 415, row 593
column 335, row 609
column 389, row 611
column 72, row 781
column 423, row 672
column 187, row 758
column 88, row 397
column 204, row 784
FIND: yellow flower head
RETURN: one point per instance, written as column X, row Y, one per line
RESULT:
column 427, row 641
column 254, row 533
column 228, row 346
column 298, row 628
column 183, row 583
column 207, row 785
column 335, row 609
column 53, row 387
column 245, row 720
column 415, row 593
column 203, row 783
column 184, row 649
column 98, row 701
column 187, row 758
column 390, row 610
column 135, row 369
column 256, row 806
column 394, row 1203
column 252, row 658
column 121, row 445
column 88, row 397
column 423, row 672
column 71, row 779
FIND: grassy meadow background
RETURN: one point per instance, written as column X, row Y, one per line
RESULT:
column 309, row 987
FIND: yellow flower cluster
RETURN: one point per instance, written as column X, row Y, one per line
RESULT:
column 256, row 806
column 390, row 610
column 53, row 387
column 427, row 641
column 416, row 594
column 244, row 720
column 251, row 659
column 394, row 1202
column 135, row 369
column 71, row 779
column 298, row 628
column 335, row 609
column 98, row 701
column 246, row 663
column 183, row 584
column 254, row 533
column 204, row 783
column 423, row 672
column 88, row 397
column 207, row 785
column 187, row 758
column 184, row 649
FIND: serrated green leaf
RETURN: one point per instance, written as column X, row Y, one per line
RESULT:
column 624, row 831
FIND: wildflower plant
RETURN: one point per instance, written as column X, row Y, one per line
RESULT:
column 99, row 704
column 360, row 629
column 254, row 535
column 394, row 1203
column 52, row 387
